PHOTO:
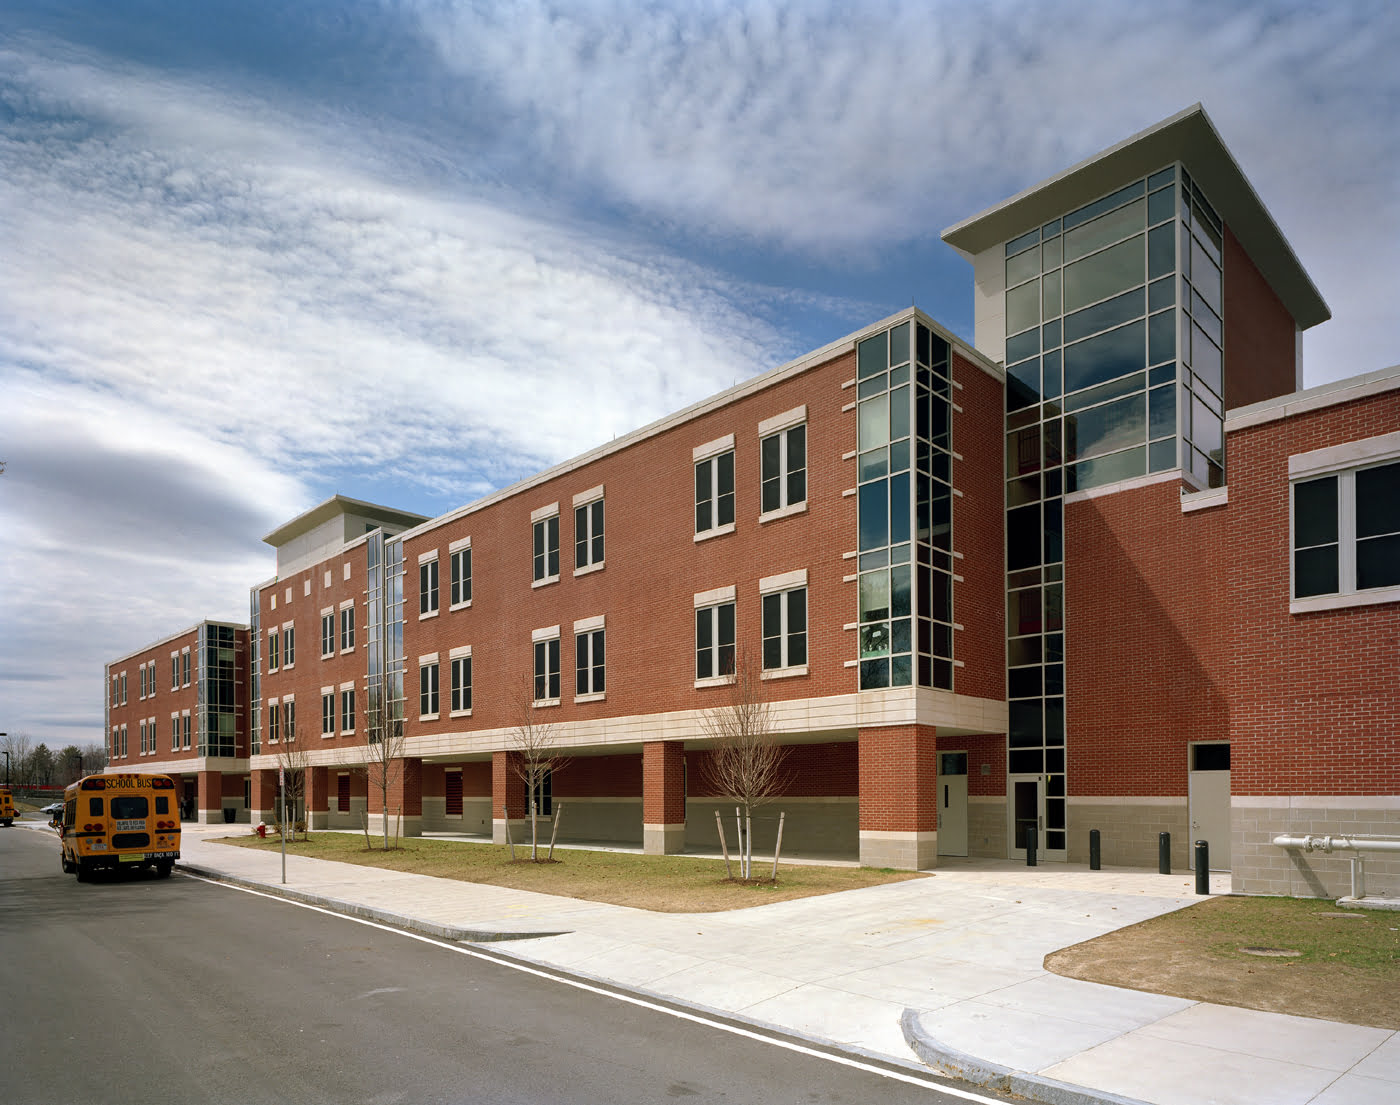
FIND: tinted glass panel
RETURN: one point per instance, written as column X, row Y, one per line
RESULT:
column 1088, row 211
column 1106, row 356
column 1104, row 315
column 1162, row 412
column 1378, row 500
column 1104, row 230
column 1107, row 428
column 1022, row 268
column 1161, row 250
column 1378, row 562
column 1022, row 307
column 1022, row 346
column 1315, row 571
column 1103, row 274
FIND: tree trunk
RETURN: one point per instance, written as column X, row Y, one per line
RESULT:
column 739, row 831
column 510, row 840
column 778, row 847
column 534, row 832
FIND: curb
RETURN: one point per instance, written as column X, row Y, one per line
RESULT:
column 993, row 1076
column 366, row 913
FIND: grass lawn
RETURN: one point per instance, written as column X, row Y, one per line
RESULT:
column 1347, row 966
column 666, row 884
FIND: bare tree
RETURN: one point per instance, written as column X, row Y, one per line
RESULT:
column 536, row 747
column 384, row 748
column 745, row 764
column 16, row 763
column 294, row 762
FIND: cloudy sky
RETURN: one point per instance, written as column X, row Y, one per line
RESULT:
column 253, row 254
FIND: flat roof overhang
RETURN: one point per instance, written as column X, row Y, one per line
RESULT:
column 1191, row 138
column 339, row 504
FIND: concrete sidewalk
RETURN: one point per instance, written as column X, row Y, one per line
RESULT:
column 946, row 968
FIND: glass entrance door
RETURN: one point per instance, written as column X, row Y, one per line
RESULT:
column 1025, row 814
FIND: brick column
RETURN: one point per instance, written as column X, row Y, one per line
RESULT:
column 898, row 797
column 264, row 806
column 211, row 798
column 317, row 797
column 663, row 797
column 405, row 812
column 507, row 791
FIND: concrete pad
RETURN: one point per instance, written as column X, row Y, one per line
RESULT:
column 1021, row 1039
column 864, row 1022
column 930, row 982
column 1087, row 1002
column 1356, row 1089
column 630, row 964
column 1383, row 1062
column 1327, row 1045
column 731, row 990
column 1170, row 1072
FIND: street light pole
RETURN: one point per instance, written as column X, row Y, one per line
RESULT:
column 7, row 760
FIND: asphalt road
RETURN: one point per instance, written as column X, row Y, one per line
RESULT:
column 134, row 989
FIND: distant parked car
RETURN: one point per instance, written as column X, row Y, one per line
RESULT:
column 53, row 809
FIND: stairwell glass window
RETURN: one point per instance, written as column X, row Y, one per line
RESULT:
column 714, row 487
column 1346, row 533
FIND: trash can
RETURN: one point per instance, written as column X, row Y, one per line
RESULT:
column 230, row 816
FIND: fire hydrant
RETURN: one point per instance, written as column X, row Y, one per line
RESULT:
column 262, row 829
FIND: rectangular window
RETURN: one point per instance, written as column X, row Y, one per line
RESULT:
column 785, row 629
column 116, row 742
column 588, row 535
column 541, row 794
column 1346, row 532
column 342, row 793
column 123, row 688
column 185, row 725
column 460, row 566
column 461, row 684
column 714, row 641
column 174, row 671
column 124, row 751
column 289, row 720
column 589, row 654
column 452, row 807
column 347, row 627
column 274, row 722
column 143, row 724
column 328, row 714
column 141, row 696
column 546, row 549
column 547, row 670
column 428, row 587
column 289, row 646
column 185, row 667
column 714, row 492
column 428, row 689
column 327, row 634
column 272, row 651
column 347, row 710
column 175, row 733
column 783, row 459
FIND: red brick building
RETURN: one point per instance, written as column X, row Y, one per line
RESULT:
column 1103, row 568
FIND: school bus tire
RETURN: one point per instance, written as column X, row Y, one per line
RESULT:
column 68, row 868
column 82, row 870
column 164, row 868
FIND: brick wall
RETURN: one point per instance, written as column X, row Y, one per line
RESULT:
column 1315, row 696
column 1260, row 335
column 1145, row 639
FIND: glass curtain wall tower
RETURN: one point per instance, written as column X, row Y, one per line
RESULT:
column 904, row 459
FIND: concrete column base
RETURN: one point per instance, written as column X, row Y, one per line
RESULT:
column 320, row 819
column 902, row 851
column 519, row 831
column 663, row 840
column 405, row 826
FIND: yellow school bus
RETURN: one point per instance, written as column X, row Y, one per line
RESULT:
column 120, row 821
column 7, row 807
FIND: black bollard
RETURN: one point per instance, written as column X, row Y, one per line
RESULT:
column 1202, row 867
column 1094, row 863
column 1030, row 847
column 1164, row 853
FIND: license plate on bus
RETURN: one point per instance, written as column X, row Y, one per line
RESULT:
column 134, row 857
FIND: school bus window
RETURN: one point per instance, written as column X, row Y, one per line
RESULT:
column 162, row 804
column 127, row 807
column 94, row 807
